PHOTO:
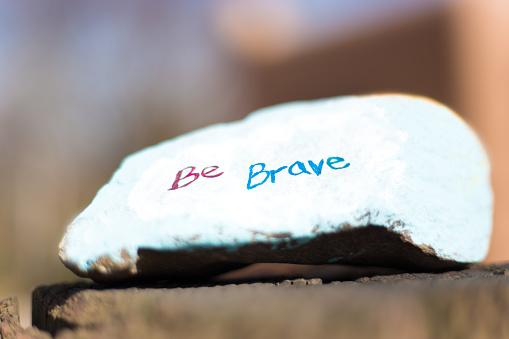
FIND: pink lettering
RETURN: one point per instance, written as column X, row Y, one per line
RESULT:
column 206, row 174
column 179, row 175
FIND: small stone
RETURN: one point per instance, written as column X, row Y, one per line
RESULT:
column 382, row 180
column 295, row 282
column 314, row 281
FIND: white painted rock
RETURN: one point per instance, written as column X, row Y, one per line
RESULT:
column 388, row 180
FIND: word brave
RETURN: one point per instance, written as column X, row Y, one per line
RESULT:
column 204, row 173
column 301, row 169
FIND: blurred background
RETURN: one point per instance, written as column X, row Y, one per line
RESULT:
column 85, row 83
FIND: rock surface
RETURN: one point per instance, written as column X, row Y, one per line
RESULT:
column 386, row 180
column 473, row 303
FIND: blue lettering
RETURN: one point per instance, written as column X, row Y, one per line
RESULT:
column 273, row 173
column 316, row 168
column 334, row 160
column 252, row 175
column 301, row 167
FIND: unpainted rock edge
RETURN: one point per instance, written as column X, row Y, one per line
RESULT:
column 371, row 245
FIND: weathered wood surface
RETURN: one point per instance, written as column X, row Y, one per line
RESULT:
column 10, row 327
column 473, row 303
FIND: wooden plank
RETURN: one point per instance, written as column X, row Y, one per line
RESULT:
column 469, row 303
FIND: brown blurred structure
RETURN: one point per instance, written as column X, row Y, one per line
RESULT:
column 410, row 56
column 481, row 88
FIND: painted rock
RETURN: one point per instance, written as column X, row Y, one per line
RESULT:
column 383, row 180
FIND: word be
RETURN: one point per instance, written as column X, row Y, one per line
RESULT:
column 301, row 169
column 204, row 173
